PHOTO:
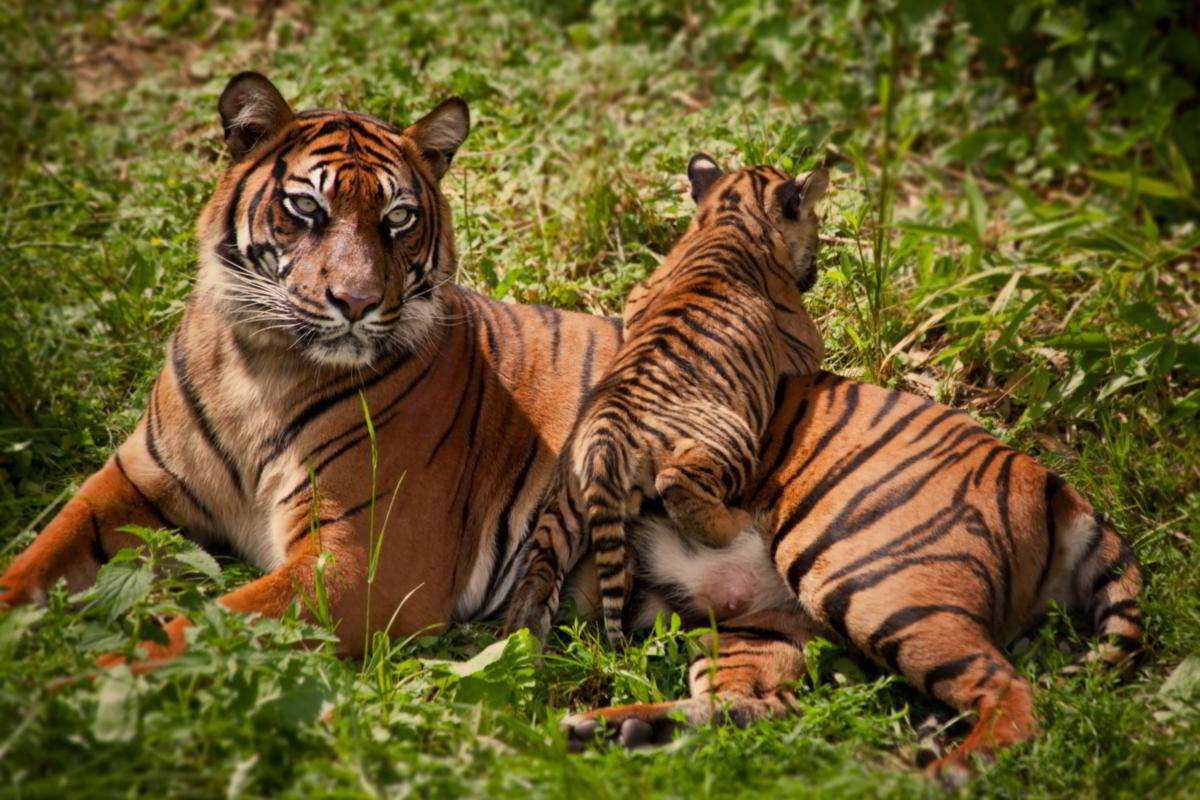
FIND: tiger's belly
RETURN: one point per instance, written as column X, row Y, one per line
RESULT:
column 696, row 580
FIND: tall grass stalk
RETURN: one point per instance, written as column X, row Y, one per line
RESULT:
column 885, row 199
column 375, row 534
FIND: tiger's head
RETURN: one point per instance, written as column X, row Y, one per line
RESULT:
column 328, row 234
column 782, row 206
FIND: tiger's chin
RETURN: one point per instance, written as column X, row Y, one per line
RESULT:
column 347, row 351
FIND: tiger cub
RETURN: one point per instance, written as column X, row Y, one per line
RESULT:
column 680, row 413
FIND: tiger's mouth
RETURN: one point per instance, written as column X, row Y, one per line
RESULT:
column 348, row 349
column 409, row 328
column 273, row 317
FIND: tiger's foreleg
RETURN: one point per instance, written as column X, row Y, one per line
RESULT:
column 746, row 674
column 324, row 571
column 81, row 537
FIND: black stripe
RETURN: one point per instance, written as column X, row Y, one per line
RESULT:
column 585, row 371
column 949, row 671
column 831, row 480
column 911, row 615
column 848, row 411
column 1127, row 643
column 275, row 445
column 501, row 565
column 755, row 632
column 1127, row 610
column 97, row 547
column 196, row 408
column 1054, row 485
column 154, row 509
column 152, row 448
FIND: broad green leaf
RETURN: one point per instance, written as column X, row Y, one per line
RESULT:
column 201, row 562
column 481, row 660
column 15, row 624
column 1180, row 690
column 121, row 584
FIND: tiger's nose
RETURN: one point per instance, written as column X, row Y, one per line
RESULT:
column 352, row 304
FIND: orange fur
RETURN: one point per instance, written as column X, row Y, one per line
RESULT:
column 472, row 404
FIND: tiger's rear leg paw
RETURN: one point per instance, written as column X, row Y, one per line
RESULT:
column 1005, row 718
column 531, row 607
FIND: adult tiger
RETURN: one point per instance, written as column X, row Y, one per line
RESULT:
column 326, row 255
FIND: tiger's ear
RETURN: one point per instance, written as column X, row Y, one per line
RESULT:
column 702, row 173
column 809, row 190
column 440, row 132
column 251, row 110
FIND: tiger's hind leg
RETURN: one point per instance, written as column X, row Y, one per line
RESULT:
column 947, row 652
column 552, row 552
column 753, row 661
column 694, row 484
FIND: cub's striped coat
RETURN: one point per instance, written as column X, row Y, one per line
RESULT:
column 679, row 414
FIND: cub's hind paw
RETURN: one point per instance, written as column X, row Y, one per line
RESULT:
column 529, row 607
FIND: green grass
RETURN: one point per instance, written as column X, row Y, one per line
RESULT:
column 1013, row 229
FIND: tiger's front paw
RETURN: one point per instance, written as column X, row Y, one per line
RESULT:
column 14, row 591
column 631, row 726
column 156, row 654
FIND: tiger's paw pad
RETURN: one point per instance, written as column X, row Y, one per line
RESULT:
column 584, row 730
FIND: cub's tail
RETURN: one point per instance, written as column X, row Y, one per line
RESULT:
column 605, row 493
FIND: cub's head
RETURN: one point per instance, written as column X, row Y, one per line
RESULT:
column 328, row 235
column 781, row 209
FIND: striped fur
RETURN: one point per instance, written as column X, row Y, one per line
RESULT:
column 906, row 530
column 900, row 525
column 679, row 414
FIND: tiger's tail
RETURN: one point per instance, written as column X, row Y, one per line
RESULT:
column 605, row 495
column 1114, row 584
column 1106, row 581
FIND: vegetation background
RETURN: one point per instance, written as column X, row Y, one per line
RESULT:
column 1013, row 229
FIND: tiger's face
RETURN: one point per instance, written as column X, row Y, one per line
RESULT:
column 329, row 235
column 780, row 206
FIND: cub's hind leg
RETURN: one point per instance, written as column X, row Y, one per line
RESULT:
column 550, row 554
column 694, row 482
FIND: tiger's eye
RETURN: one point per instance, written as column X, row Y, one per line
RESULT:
column 305, row 205
column 399, row 216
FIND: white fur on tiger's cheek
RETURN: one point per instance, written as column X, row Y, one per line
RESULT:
column 729, row 581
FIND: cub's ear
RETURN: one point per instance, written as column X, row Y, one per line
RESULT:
column 702, row 173
column 809, row 190
column 251, row 109
column 440, row 132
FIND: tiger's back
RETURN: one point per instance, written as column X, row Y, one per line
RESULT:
column 680, row 412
